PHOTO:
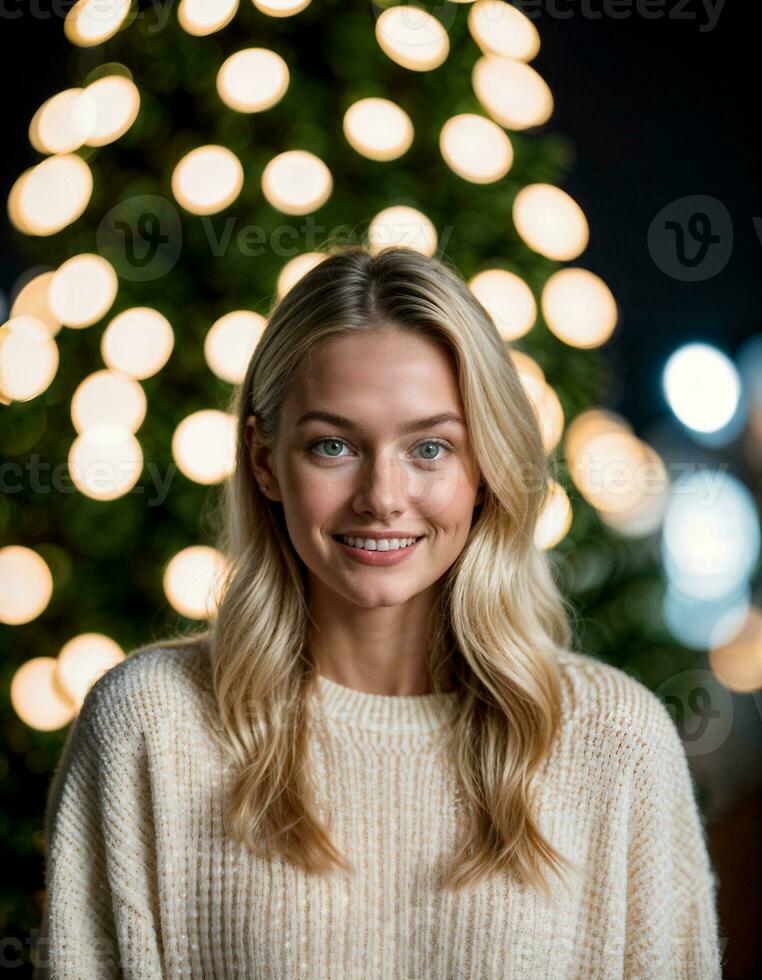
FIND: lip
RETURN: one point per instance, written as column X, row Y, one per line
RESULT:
column 378, row 557
column 377, row 535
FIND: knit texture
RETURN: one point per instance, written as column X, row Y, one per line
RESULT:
column 143, row 883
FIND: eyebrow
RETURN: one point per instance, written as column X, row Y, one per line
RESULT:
column 414, row 425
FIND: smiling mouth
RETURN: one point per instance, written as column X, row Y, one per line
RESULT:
column 343, row 539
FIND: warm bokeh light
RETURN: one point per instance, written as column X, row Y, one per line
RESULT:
column 607, row 470
column 90, row 22
column 499, row 28
column 623, row 477
column 412, row 37
column 475, row 148
column 29, row 358
column 230, row 343
column 252, row 80
column 207, row 179
column 37, row 697
column 645, row 515
column 551, row 417
column 550, row 222
column 32, row 300
column 281, row 8
column 63, row 122
column 512, row 92
column 579, row 308
column 405, row 226
column 202, row 17
column 26, row 585
column 50, row 195
column 83, row 289
column 296, row 182
column 117, row 103
column 378, row 129
column 738, row 664
column 138, row 342
column 105, row 462
column 507, row 299
column 204, row 445
column 556, row 518
column 82, row 661
column 108, row 397
column 193, row 581
column 297, row 267
column 702, row 387
column 589, row 424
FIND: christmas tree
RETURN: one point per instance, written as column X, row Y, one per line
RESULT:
column 201, row 160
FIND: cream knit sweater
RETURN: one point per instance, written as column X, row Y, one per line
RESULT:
column 142, row 883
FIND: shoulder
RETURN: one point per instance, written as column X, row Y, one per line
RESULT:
column 153, row 683
column 616, row 708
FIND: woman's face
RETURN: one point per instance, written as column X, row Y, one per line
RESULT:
column 373, row 472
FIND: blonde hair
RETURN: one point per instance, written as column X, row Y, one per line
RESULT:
column 500, row 620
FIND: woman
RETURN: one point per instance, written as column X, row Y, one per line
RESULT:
column 382, row 759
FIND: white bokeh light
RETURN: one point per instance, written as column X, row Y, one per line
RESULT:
column 702, row 387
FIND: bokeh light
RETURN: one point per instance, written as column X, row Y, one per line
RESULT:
column 193, row 581
column 26, row 585
column 412, row 37
column 82, row 290
column 702, row 386
column 512, row 92
column 208, row 179
column 296, row 182
column 550, row 222
column 204, row 445
column 402, row 225
column 29, row 358
column 252, row 80
column 37, row 697
column 378, row 129
column 230, row 343
column 138, row 342
column 475, row 148
column 108, row 397
column 82, row 661
column 105, row 462
column 579, row 308
column 508, row 300
column 499, row 28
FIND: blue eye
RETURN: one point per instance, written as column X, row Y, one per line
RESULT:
column 340, row 442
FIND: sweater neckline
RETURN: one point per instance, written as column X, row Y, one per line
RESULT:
column 385, row 712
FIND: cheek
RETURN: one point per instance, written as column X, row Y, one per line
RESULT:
column 445, row 498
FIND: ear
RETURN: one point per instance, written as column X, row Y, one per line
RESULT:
column 259, row 460
column 480, row 494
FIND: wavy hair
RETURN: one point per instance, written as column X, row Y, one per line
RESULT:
column 497, row 626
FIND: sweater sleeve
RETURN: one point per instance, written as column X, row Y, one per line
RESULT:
column 672, row 929
column 100, row 917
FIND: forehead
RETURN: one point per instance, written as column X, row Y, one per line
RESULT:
column 378, row 377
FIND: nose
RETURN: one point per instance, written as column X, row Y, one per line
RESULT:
column 385, row 487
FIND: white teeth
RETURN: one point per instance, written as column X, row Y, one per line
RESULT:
column 382, row 544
